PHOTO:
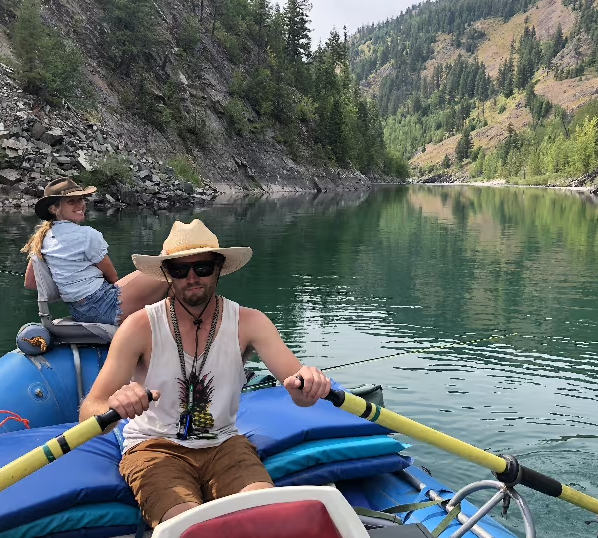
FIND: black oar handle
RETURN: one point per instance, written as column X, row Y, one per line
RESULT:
column 110, row 417
column 515, row 474
column 336, row 397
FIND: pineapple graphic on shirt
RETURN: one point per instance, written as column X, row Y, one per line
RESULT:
column 200, row 391
column 202, row 397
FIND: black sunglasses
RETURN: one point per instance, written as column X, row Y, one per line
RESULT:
column 181, row 270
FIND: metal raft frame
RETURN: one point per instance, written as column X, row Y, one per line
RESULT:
column 467, row 523
column 470, row 523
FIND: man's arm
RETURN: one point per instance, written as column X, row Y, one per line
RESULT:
column 257, row 330
column 112, row 388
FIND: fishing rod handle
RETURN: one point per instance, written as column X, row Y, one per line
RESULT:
column 111, row 416
column 336, row 397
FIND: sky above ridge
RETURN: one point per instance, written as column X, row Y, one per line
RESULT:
column 327, row 14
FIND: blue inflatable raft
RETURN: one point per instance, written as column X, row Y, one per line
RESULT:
column 82, row 494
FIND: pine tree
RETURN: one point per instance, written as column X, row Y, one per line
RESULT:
column 529, row 58
column 298, row 40
column 30, row 37
column 48, row 66
column 558, row 40
column 464, row 146
column 506, row 77
column 132, row 31
column 337, row 134
column 261, row 17
column 275, row 35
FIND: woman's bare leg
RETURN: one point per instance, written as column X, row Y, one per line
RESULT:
column 138, row 290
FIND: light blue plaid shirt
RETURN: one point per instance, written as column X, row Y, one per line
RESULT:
column 70, row 251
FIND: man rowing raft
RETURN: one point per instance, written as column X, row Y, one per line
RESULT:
column 190, row 349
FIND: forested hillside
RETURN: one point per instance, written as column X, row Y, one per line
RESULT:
column 224, row 90
column 493, row 88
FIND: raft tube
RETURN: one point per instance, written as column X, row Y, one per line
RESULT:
column 46, row 389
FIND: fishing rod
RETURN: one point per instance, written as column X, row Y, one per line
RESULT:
column 409, row 352
column 422, row 350
column 59, row 446
column 505, row 468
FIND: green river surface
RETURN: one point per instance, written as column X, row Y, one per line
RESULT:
column 353, row 276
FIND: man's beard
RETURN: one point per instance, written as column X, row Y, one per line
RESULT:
column 196, row 297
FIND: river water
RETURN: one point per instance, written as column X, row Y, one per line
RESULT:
column 353, row 276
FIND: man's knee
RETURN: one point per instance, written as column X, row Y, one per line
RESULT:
column 256, row 485
column 177, row 510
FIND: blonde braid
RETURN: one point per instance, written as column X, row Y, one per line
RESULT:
column 34, row 245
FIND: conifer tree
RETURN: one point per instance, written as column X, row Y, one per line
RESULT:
column 30, row 37
column 133, row 31
column 48, row 66
column 298, row 40
column 464, row 146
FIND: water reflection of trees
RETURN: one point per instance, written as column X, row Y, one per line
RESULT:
column 267, row 224
column 520, row 256
column 475, row 259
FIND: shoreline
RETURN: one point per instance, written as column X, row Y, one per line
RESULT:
column 224, row 195
column 591, row 190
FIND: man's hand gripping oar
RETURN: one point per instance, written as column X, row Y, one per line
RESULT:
column 59, row 446
column 506, row 468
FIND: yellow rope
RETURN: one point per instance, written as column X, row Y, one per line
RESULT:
column 37, row 341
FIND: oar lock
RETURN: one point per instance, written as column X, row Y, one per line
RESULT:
column 513, row 474
column 510, row 477
column 516, row 474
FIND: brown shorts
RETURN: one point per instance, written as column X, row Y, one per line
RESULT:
column 162, row 473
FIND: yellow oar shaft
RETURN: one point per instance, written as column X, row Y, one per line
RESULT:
column 415, row 430
column 507, row 473
column 59, row 446
column 47, row 453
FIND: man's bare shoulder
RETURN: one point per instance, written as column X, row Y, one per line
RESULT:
column 252, row 317
column 136, row 325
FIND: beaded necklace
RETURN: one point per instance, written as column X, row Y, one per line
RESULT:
column 196, row 392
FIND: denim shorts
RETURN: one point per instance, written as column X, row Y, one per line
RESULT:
column 102, row 306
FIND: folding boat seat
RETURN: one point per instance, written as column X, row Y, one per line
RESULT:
column 64, row 330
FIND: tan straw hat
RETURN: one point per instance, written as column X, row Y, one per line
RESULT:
column 187, row 240
column 56, row 189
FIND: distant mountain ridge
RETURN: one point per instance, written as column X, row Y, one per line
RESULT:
column 456, row 79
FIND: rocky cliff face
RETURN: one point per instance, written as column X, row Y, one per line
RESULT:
column 39, row 142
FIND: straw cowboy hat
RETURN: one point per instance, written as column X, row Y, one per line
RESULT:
column 56, row 189
column 187, row 240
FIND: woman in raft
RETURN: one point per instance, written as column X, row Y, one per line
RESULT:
column 77, row 257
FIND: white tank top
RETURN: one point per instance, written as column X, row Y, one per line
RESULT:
column 224, row 365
